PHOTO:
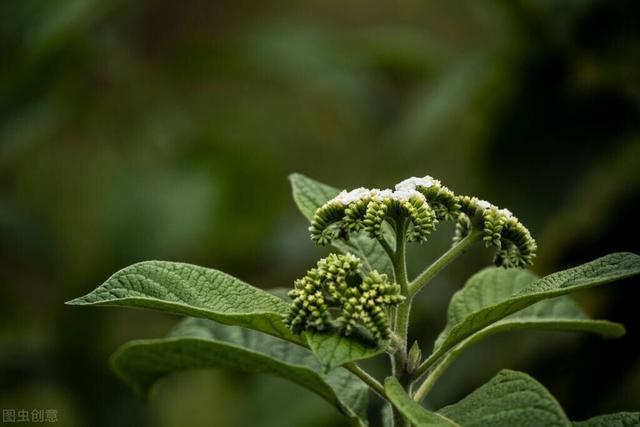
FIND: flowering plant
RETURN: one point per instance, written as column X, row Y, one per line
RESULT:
column 356, row 304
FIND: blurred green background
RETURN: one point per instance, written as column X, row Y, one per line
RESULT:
column 166, row 130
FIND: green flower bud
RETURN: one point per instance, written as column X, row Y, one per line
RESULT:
column 515, row 247
column 338, row 294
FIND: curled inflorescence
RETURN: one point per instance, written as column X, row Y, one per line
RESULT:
column 338, row 294
column 422, row 203
column 501, row 229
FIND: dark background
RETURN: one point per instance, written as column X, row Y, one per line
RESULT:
column 166, row 130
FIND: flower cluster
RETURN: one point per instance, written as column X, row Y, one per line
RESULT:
column 501, row 229
column 338, row 294
column 422, row 201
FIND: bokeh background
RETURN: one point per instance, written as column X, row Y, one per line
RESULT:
column 166, row 130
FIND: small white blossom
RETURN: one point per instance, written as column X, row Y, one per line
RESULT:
column 413, row 182
column 382, row 194
column 347, row 197
column 483, row 204
column 403, row 195
column 506, row 212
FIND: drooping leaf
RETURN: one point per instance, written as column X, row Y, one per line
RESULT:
column 334, row 350
column 509, row 399
column 193, row 291
column 200, row 343
column 464, row 322
column 620, row 419
column 493, row 285
column 412, row 410
column 310, row 194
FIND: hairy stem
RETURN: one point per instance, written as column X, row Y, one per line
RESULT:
column 387, row 248
column 401, row 323
column 367, row 378
column 442, row 262
column 436, row 373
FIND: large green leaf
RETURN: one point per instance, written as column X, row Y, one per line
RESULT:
column 412, row 410
column 620, row 419
column 334, row 350
column 484, row 304
column 200, row 343
column 509, row 399
column 193, row 291
column 309, row 195
column 493, row 285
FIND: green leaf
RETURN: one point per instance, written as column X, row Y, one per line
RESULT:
column 334, row 350
column 620, row 419
column 200, row 343
column 309, row 195
column 411, row 409
column 465, row 321
column 494, row 285
column 193, row 291
column 509, row 399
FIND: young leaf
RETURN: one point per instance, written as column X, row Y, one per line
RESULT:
column 509, row 399
column 200, row 343
column 309, row 195
column 193, row 291
column 620, row 419
column 463, row 323
column 334, row 350
column 411, row 409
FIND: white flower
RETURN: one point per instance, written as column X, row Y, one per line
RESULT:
column 403, row 195
column 381, row 194
column 347, row 197
column 506, row 212
column 483, row 204
column 413, row 182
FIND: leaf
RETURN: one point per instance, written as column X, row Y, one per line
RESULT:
column 334, row 350
column 620, row 419
column 309, row 195
column 493, row 285
column 193, row 291
column 200, row 343
column 464, row 322
column 509, row 399
column 411, row 409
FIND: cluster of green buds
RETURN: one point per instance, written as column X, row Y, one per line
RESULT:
column 422, row 203
column 501, row 229
column 337, row 294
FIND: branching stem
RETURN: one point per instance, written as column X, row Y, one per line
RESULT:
column 446, row 258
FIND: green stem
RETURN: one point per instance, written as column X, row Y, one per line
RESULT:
column 437, row 372
column 367, row 378
column 443, row 261
column 401, row 323
column 387, row 248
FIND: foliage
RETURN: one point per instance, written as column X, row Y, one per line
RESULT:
column 357, row 305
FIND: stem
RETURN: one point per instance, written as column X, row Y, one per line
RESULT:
column 367, row 378
column 387, row 248
column 401, row 323
column 437, row 372
column 443, row 261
